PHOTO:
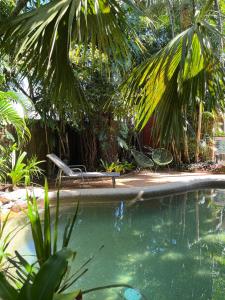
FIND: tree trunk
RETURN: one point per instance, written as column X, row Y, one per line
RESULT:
column 20, row 6
column 89, row 147
column 219, row 27
column 186, row 149
column 171, row 16
column 185, row 16
column 198, row 134
column 193, row 8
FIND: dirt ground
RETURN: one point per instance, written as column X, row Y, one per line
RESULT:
column 135, row 179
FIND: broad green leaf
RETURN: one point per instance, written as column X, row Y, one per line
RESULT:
column 50, row 275
column 76, row 295
column 7, row 292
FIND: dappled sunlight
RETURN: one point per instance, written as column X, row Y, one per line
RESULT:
column 137, row 232
column 143, row 179
column 172, row 256
column 203, row 272
column 137, row 257
column 158, row 246
column 125, row 278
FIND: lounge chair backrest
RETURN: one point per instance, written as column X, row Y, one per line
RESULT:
column 60, row 164
column 162, row 157
column 142, row 160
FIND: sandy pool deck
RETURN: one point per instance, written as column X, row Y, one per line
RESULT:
column 146, row 184
column 143, row 179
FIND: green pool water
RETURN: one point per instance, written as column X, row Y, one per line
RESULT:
column 168, row 248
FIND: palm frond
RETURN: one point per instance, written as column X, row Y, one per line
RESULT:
column 172, row 80
column 44, row 37
column 9, row 115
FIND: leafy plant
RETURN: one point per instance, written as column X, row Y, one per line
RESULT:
column 48, row 33
column 9, row 115
column 117, row 166
column 23, row 172
column 4, row 241
column 176, row 78
column 219, row 133
column 39, row 285
column 49, row 277
column 30, row 279
column 5, row 160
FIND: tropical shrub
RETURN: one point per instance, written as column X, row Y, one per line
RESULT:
column 5, row 160
column 30, row 279
column 23, row 172
column 9, row 115
column 117, row 166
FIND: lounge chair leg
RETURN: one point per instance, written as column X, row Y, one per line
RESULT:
column 58, row 179
column 114, row 181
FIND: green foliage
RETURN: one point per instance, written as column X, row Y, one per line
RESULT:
column 6, row 159
column 9, row 115
column 45, row 246
column 50, row 276
column 117, row 166
column 4, row 239
column 32, row 281
column 219, row 133
column 6, row 7
column 42, row 284
column 24, row 172
column 47, row 34
column 3, row 168
column 176, row 78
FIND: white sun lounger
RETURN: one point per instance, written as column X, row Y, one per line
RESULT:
column 79, row 171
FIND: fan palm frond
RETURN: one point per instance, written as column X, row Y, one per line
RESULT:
column 9, row 115
column 176, row 78
column 44, row 37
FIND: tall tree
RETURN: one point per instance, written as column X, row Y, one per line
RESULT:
column 219, row 27
column 42, row 40
column 176, row 78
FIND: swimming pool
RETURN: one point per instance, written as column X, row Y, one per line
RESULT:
column 168, row 248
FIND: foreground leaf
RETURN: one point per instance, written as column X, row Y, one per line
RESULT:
column 76, row 295
column 7, row 292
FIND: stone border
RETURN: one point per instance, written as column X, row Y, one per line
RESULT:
column 144, row 192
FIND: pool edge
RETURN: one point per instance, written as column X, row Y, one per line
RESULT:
column 149, row 192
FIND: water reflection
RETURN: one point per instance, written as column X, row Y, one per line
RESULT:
column 119, row 215
column 169, row 248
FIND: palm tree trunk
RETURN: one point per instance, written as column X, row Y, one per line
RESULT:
column 193, row 8
column 198, row 135
column 219, row 27
column 186, row 149
column 20, row 5
column 185, row 16
column 171, row 16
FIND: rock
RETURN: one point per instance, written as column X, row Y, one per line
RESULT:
column 16, row 200
column 19, row 207
column 8, row 205
column 4, row 200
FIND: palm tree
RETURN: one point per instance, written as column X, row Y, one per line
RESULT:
column 168, row 84
column 9, row 115
column 185, row 74
column 42, row 40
